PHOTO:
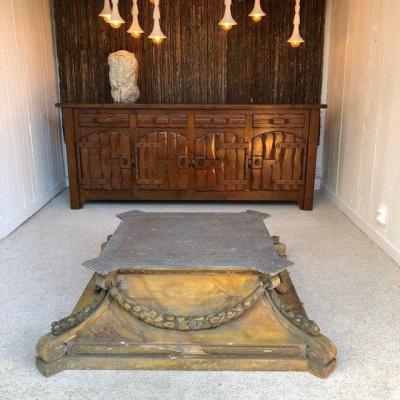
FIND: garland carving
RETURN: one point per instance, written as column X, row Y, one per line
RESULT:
column 183, row 323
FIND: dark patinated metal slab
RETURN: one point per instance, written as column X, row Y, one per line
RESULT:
column 190, row 242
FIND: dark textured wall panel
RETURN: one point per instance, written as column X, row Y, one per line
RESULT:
column 198, row 63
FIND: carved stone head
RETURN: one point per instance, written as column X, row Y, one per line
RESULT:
column 124, row 69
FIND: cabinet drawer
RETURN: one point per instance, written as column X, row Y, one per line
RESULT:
column 220, row 120
column 277, row 120
column 117, row 120
column 151, row 120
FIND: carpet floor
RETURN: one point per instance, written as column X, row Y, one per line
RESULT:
column 348, row 285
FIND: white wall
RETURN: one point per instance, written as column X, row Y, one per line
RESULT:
column 362, row 135
column 31, row 160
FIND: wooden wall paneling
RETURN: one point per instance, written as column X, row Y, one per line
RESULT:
column 362, row 149
column 199, row 62
column 31, row 160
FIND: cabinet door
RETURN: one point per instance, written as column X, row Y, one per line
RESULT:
column 104, row 159
column 277, row 161
column 162, row 161
column 220, row 162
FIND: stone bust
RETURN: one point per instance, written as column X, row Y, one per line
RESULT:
column 124, row 69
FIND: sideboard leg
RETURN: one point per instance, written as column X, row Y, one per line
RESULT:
column 70, row 141
column 311, row 161
column 75, row 200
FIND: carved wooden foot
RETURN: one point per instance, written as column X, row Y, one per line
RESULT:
column 320, row 351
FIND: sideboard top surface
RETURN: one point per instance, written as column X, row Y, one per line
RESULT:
column 136, row 106
column 172, row 242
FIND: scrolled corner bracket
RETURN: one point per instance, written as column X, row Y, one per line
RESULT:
column 296, row 318
column 50, row 349
column 183, row 323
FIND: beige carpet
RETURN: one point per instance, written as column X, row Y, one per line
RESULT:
column 349, row 286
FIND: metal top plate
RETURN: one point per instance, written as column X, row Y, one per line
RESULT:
column 190, row 242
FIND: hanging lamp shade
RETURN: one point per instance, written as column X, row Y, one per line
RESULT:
column 157, row 36
column 227, row 22
column 135, row 30
column 257, row 13
column 296, row 40
column 106, row 12
column 115, row 20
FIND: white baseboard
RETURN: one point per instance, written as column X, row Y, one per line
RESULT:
column 13, row 224
column 372, row 233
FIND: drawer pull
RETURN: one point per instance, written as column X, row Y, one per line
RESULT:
column 205, row 120
column 105, row 120
column 278, row 121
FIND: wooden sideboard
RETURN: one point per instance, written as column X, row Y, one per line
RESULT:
column 191, row 152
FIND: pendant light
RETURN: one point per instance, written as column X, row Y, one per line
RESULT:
column 135, row 30
column 156, row 35
column 106, row 12
column 296, row 40
column 115, row 20
column 257, row 12
column 227, row 22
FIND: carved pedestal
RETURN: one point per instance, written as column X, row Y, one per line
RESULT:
column 235, row 318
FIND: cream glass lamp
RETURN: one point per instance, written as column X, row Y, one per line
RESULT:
column 106, row 12
column 227, row 22
column 257, row 12
column 135, row 30
column 115, row 20
column 296, row 40
column 157, row 35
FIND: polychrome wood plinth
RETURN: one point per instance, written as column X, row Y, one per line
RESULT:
column 169, row 319
column 273, row 334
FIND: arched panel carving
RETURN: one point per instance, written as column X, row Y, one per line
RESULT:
column 105, row 161
column 162, row 161
column 278, row 161
column 220, row 162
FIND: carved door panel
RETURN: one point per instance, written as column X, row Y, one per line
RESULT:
column 277, row 161
column 105, row 160
column 162, row 162
column 220, row 162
